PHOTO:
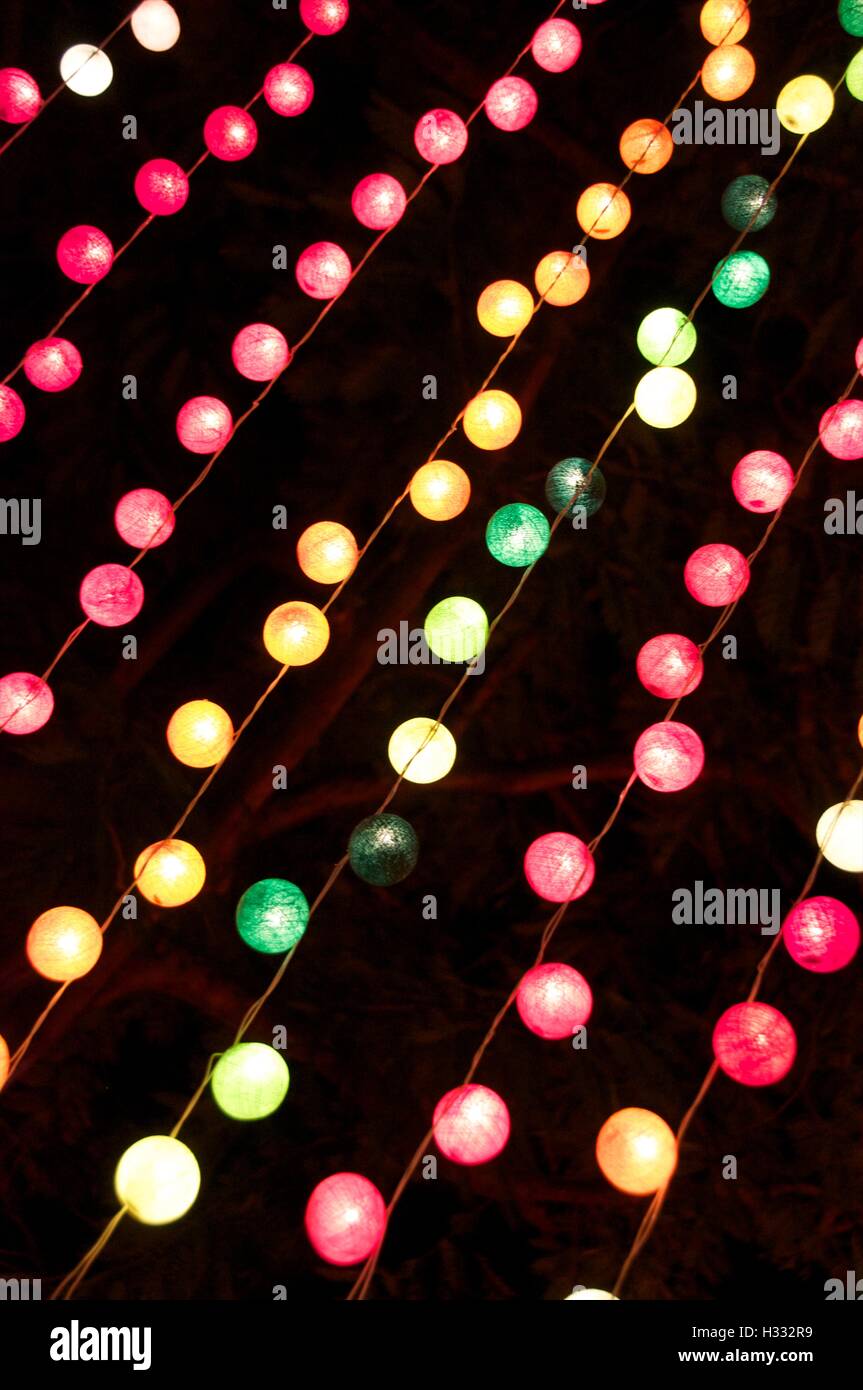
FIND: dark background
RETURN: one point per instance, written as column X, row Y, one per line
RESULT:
column 384, row 1009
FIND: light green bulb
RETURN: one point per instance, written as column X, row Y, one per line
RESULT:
column 665, row 338
column 250, row 1081
column 854, row 76
column 456, row 629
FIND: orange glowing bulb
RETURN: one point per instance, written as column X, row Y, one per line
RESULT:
column 64, row 943
column 170, row 873
column 636, row 1151
column 4, row 1061
column 725, row 21
column 728, row 72
column 492, row 420
column 646, row 146
column 603, row 211
column 504, row 308
column 327, row 552
column 562, row 278
column 200, row 733
column 296, row 634
column 440, row 490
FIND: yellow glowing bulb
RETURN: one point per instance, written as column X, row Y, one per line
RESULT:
column 64, row 943
column 562, row 278
column 440, row 490
column 804, row 104
column 665, row 397
column 504, row 308
column 296, row 634
column 170, row 873
column 603, row 211
column 327, row 552
column 421, row 751
column 492, row 420
column 157, row 1179
column 200, row 733
column 839, row 836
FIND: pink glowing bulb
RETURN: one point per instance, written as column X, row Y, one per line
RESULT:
column 12, row 413
column 204, row 424
column 668, row 757
column 111, row 595
column 510, row 103
column 841, row 430
column 52, row 364
column 553, row 1000
column 324, row 17
column 85, row 254
column 440, row 136
column 559, row 867
column 161, row 187
column 230, row 133
column 26, row 703
column 556, row 45
column 471, row 1124
column 260, row 352
column 323, row 270
column 144, row 518
column 716, row 575
column 762, row 481
column 669, row 666
column 821, row 934
column 20, row 98
column 858, row 356
column 378, row 201
column 345, row 1218
column 288, row 89
column 754, row 1044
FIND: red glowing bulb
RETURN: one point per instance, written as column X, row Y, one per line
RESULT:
column 762, row 481
column 161, row 187
column 323, row 270
column 510, row 103
column 559, row 867
column 716, row 575
column 841, row 430
column 556, row 45
column 204, row 424
column 440, row 136
column 324, row 17
column 669, row 666
column 553, row 1000
column 345, row 1218
column 230, row 133
column 111, row 595
column 20, row 98
column 52, row 364
column 668, row 757
column 754, row 1044
column 144, row 518
column 288, row 89
column 259, row 352
column 85, row 254
column 821, row 934
column 471, row 1124
column 12, row 413
column 378, row 201
column 26, row 703
column 858, row 356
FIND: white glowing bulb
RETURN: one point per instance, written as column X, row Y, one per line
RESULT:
column 839, row 836
column 86, row 70
column 155, row 25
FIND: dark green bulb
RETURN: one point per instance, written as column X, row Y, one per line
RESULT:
column 567, row 477
column 744, row 197
column 383, row 849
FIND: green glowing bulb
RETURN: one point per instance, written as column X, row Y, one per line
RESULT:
column 272, row 915
column 851, row 17
column 665, row 338
column 566, row 480
column 854, row 76
column 456, row 629
column 741, row 279
column 745, row 197
column 250, row 1081
column 383, row 849
column 517, row 535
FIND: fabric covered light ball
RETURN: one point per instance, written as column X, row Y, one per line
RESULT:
column 851, row 17
column 562, row 278
column 12, row 414
column 157, row 1179
column 161, row 187
column 668, row 757
column 754, row 1044
column 567, row 485
column 646, row 146
column 559, row 867
column 4, row 1062
column 86, row 70
column 669, row 666
column 52, row 364
column 204, row 424
column 517, row 535
column 288, row 89
column 728, row 72
column 250, row 1081
column 839, row 836
column 666, row 337
column 230, row 133
column 636, row 1151
column 492, row 420
column 169, row 873
column 155, row 25
column 144, row 518
column 591, row 1296
column 762, row 481
column 323, row 270
column 383, row 849
column 556, row 45
column 471, row 1124
column 85, row 254
column 440, row 136
column 841, row 430
column 603, row 211
column 553, row 1000
column 440, row 490
column 510, row 103
column 821, row 934
column 20, row 98
column 260, row 352
column 725, row 21
column 64, row 943
column 346, row 1219
column 716, row 574
column 200, row 733
column 327, row 552
column 111, row 595
column 805, row 104
column 378, row 202
column 665, row 397
column 296, row 634
column 26, row 703
column 741, row 279
column 854, row 76
column 748, row 200
column 272, row 916
column 421, row 750
column 324, row 17
column 505, row 307
column 456, row 629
